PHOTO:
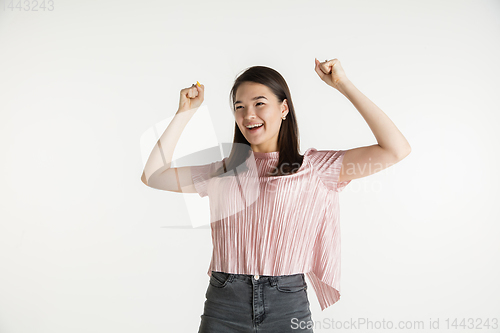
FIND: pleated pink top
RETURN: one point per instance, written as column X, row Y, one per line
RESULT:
column 278, row 225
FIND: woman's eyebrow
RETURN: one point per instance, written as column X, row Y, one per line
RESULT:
column 253, row 99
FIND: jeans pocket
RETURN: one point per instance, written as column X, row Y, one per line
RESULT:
column 219, row 279
column 291, row 284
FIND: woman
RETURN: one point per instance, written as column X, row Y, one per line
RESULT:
column 272, row 230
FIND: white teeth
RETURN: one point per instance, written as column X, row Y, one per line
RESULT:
column 252, row 126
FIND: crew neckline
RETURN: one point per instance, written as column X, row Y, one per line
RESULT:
column 261, row 155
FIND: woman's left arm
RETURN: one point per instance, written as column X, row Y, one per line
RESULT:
column 391, row 145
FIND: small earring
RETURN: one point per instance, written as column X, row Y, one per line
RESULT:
column 284, row 117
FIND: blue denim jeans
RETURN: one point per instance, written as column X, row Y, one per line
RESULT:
column 253, row 303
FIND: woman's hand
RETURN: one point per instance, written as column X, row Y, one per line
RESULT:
column 191, row 97
column 331, row 72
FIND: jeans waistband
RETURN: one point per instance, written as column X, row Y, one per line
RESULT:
column 249, row 278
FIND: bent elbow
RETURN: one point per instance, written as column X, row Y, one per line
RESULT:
column 404, row 154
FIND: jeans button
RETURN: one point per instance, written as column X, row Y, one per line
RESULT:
column 256, row 277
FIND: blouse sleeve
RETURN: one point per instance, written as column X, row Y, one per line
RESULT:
column 328, row 163
column 200, row 174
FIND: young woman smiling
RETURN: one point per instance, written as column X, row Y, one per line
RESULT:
column 270, row 234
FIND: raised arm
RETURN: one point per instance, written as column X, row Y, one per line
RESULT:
column 391, row 145
column 157, row 171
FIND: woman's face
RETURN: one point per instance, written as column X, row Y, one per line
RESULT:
column 256, row 104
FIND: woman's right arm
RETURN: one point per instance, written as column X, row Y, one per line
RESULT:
column 157, row 171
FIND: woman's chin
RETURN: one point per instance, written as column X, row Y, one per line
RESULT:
column 253, row 141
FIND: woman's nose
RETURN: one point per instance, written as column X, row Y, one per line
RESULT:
column 249, row 113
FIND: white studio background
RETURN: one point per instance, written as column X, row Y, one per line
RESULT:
column 85, row 246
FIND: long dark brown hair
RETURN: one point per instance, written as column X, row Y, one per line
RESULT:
column 288, row 137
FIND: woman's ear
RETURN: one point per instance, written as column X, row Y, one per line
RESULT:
column 284, row 109
column 284, row 105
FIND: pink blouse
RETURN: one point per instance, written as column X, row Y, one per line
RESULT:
column 278, row 225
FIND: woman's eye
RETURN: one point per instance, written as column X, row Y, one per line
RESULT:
column 241, row 106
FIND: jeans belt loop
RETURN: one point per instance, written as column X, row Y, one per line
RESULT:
column 274, row 280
